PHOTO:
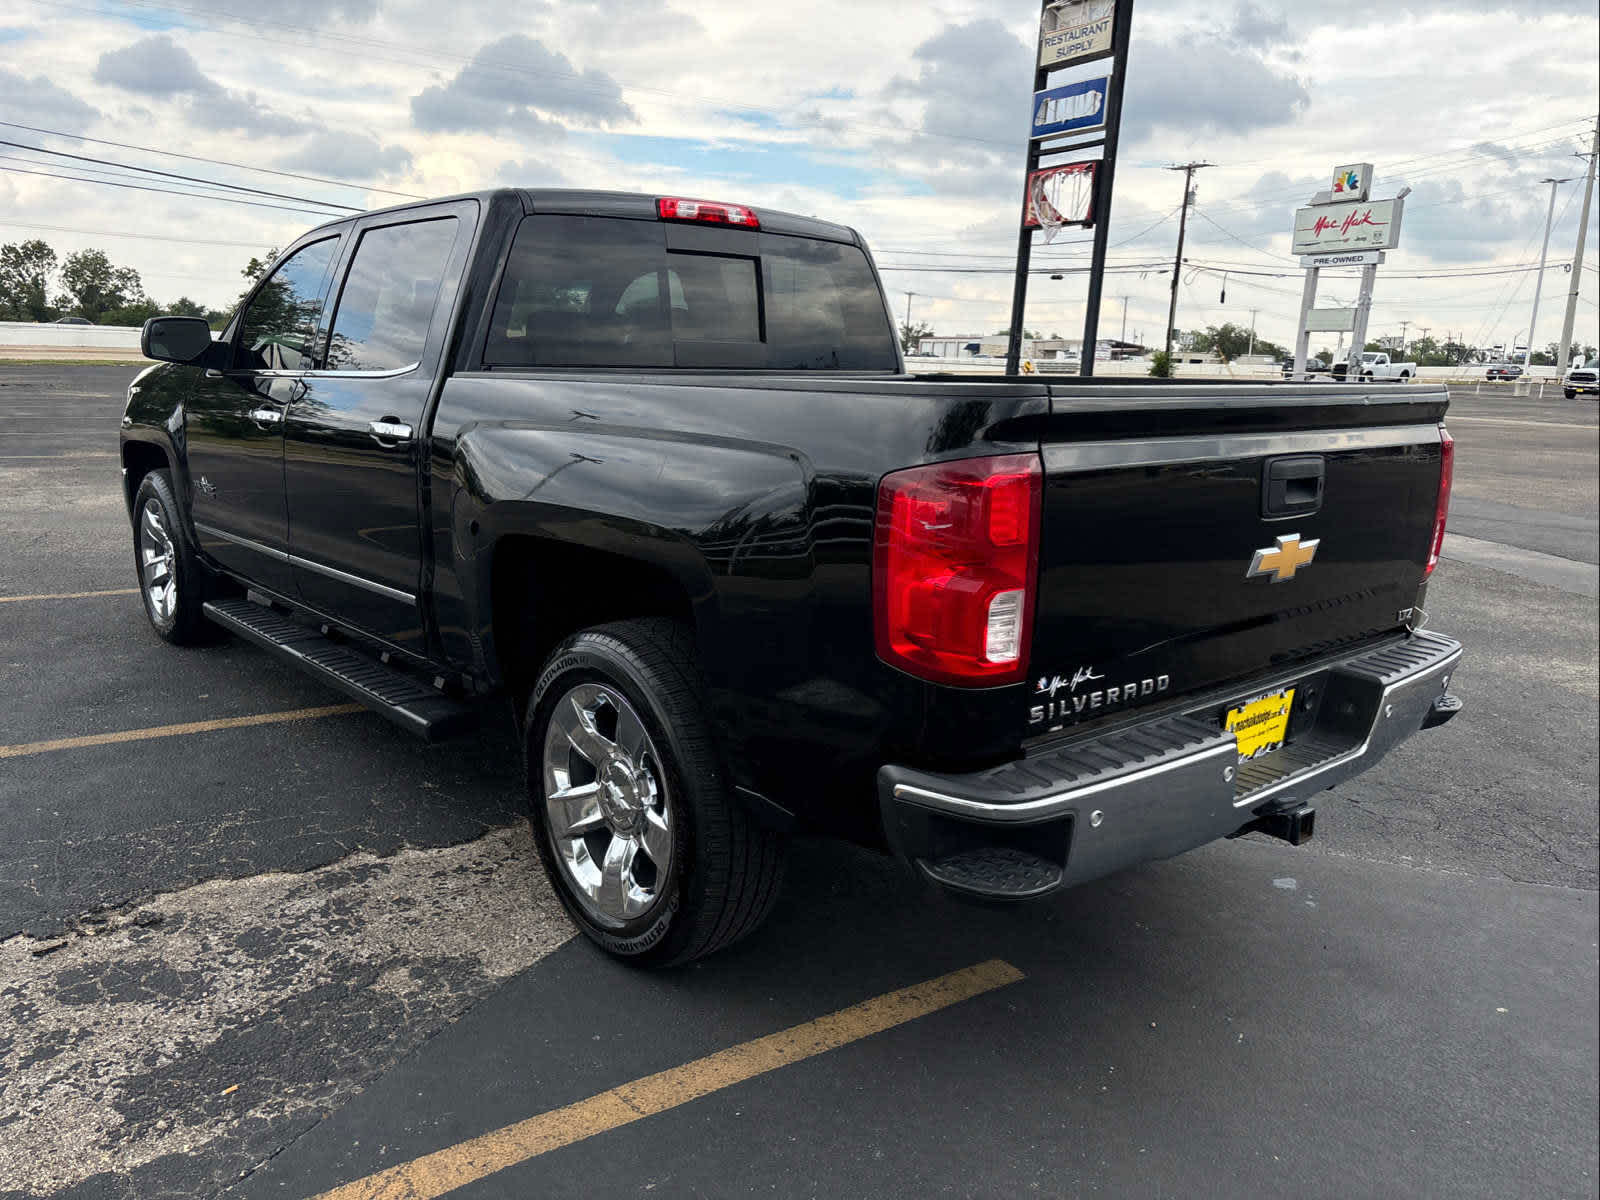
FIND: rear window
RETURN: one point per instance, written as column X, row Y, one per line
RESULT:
column 610, row 292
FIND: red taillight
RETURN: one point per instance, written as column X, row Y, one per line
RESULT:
column 674, row 208
column 954, row 568
column 1447, row 470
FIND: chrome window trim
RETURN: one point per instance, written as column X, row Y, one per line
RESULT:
column 295, row 560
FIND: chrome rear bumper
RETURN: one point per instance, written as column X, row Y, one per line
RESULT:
column 1158, row 788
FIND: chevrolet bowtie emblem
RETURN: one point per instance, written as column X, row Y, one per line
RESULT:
column 1284, row 559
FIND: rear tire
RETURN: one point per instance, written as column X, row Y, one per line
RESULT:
column 652, row 856
column 172, row 583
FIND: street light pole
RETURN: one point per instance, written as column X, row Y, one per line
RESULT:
column 1538, row 282
column 1577, row 258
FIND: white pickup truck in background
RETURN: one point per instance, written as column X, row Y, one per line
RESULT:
column 1377, row 366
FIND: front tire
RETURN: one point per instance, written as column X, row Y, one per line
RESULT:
column 171, row 580
column 635, row 820
column 1569, row 393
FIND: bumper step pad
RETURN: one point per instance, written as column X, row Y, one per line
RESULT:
column 994, row 872
column 413, row 706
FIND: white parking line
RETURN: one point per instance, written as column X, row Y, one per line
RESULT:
column 1451, row 420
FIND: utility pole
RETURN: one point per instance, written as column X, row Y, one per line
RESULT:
column 1188, row 170
column 1577, row 259
column 908, row 313
column 1253, row 313
column 1404, row 325
column 1124, row 338
column 1538, row 280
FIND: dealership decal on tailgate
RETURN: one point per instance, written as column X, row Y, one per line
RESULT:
column 1261, row 724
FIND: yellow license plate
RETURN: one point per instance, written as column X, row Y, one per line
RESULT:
column 1261, row 724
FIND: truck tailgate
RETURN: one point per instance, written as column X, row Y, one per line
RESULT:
column 1240, row 539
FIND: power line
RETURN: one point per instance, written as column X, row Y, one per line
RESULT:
column 1399, row 168
column 169, row 191
column 143, row 237
column 234, row 187
column 216, row 162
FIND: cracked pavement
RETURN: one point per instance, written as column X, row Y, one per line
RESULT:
column 241, row 960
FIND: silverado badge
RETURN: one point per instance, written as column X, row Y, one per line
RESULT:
column 1284, row 559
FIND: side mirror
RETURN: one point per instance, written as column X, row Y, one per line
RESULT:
column 178, row 340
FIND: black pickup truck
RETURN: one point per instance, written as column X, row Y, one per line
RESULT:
column 652, row 469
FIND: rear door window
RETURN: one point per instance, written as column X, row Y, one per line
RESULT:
column 611, row 292
column 387, row 303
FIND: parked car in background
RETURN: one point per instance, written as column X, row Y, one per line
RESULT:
column 1314, row 366
column 1503, row 371
column 1584, row 380
column 72, row 321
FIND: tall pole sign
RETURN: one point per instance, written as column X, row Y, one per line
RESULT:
column 1342, row 227
column 1070, row 119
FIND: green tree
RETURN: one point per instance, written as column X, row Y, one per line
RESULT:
column 135, row 312
column 185, row 307
column 1161, row 364
column 910, row 335
column 95, row 287
column 1227, row 341
column 25, row 270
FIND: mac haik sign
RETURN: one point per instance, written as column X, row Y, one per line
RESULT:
column 1368, row 225
column 1072, row 30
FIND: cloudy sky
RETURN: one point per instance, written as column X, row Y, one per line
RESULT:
column 905, row 121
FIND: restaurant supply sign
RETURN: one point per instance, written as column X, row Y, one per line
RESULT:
column 1324, row 228
column 1071, row 108
column 1073, row 30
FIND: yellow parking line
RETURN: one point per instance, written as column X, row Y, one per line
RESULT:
column 164, row 731
column 456, row 1166
column 69, row 595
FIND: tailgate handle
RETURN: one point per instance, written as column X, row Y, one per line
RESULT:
column 1292, row 487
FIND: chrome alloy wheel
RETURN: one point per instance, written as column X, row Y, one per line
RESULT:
column 606, row 804
column 158, row 575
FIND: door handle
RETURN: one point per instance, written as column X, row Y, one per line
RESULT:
column 389, row 431
column 266, row 416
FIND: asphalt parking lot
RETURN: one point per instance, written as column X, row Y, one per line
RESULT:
column 255, row 943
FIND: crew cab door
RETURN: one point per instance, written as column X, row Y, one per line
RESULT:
column 353, row 439
column 234, row 418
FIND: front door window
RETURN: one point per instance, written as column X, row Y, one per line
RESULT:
column 279, row 329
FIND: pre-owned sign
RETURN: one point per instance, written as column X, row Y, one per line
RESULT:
column 1371, row 225
column 1072, row 30
column 1071, row 108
